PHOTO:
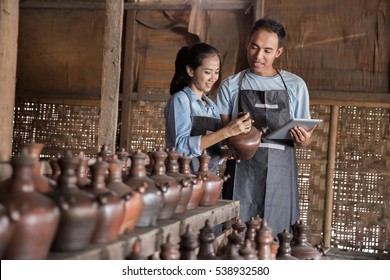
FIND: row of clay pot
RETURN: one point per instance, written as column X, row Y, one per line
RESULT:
column 69, row 211
column 250, row 241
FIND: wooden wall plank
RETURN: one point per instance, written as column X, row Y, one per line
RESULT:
column 111, row 73
column 9, row 20
column 128, row 81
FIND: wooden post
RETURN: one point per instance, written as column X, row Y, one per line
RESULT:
column 330, row 174
column 109, row 97
column 9, row 24
column 128, row 81
column 258, row 9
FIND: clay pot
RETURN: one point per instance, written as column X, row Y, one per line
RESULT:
column 7, row 227
column 79, row 209
column 105, row 153
column 111, row 209
column 188, row 245
column 206, row 243
column 284, row 250
column 302, row 249
column 131, row 198
column 196, row 180
column 244, row 145
column 169, row 250
column 55, row 169
column 136, row 251
column 41, row 183
column 168, row 185
column 124, row 157
column 264, row 241
column 212, row 184
column 38, row 215
column 82, row 171
column 185, row 182
column 152, row 198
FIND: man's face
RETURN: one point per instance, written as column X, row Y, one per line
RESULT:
column 262, row 49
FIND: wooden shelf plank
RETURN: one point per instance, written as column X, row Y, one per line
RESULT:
column 153, row 237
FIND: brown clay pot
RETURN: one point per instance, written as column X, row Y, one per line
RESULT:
column 302, row 249
column 185, row 182
column 79, row 209
column 55, row 169
column 131, row 198
column 111, row 209
column 196, row 180
column 38, row 215
column 284, row 250
column 168, row 185
column 41, row 183
column 245, row 145
column 105, row 153
column 212, row 184
column 7, row 227
column 82, row 171
column 152, row 198
column 124, row 157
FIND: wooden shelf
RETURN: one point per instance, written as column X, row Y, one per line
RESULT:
column 153, row 237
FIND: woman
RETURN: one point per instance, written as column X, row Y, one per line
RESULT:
column 193, row 119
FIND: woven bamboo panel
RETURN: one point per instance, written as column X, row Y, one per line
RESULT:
column 312, row 175
column 59, row 127
column 361, row 212
column 148, row 125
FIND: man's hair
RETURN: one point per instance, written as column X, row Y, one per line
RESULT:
column 270, row 25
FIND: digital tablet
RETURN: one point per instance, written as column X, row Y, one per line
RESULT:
column 283, row 132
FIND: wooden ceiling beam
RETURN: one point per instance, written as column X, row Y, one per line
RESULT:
column 172, row 5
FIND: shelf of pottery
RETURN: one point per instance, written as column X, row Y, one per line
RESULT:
column 106, row 208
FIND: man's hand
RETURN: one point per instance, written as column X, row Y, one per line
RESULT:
column 301, row 137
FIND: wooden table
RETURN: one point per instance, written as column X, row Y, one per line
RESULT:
column 153, row 237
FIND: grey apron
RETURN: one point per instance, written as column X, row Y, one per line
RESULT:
column 201, row 125
column 266, row 185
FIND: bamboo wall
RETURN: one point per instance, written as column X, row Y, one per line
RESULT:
column 338, row 46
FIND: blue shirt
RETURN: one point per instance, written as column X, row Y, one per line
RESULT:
column 298, row 95
column 178, row 122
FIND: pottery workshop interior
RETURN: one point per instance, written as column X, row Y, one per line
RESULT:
column 84, row 85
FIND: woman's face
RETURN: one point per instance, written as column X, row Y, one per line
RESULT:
column 262, row 49
column 204, row 77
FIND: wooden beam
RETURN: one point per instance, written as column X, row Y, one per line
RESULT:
column 110, row 74
column 157, row 5
column 330, row 175
column 128, row 69
column 9, row 20
column 258, row 9
column 366, row 99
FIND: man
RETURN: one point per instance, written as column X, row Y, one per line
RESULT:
column 266, row 185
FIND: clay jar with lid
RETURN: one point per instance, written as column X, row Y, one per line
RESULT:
column 7, row 227
column 168, row 185
column 124, row 156
column 79, row 209
column 185, row 182
column 152, row 198
column 41, row 183
column 132, row 198
column 212, row 184
column 111, row 209
column 38, row 215
column 196, row 180
column 82, row 171
column 244, row 146
column 302, row 249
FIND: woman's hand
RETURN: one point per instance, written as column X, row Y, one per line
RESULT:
column 301, row 137
column 240, row 125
